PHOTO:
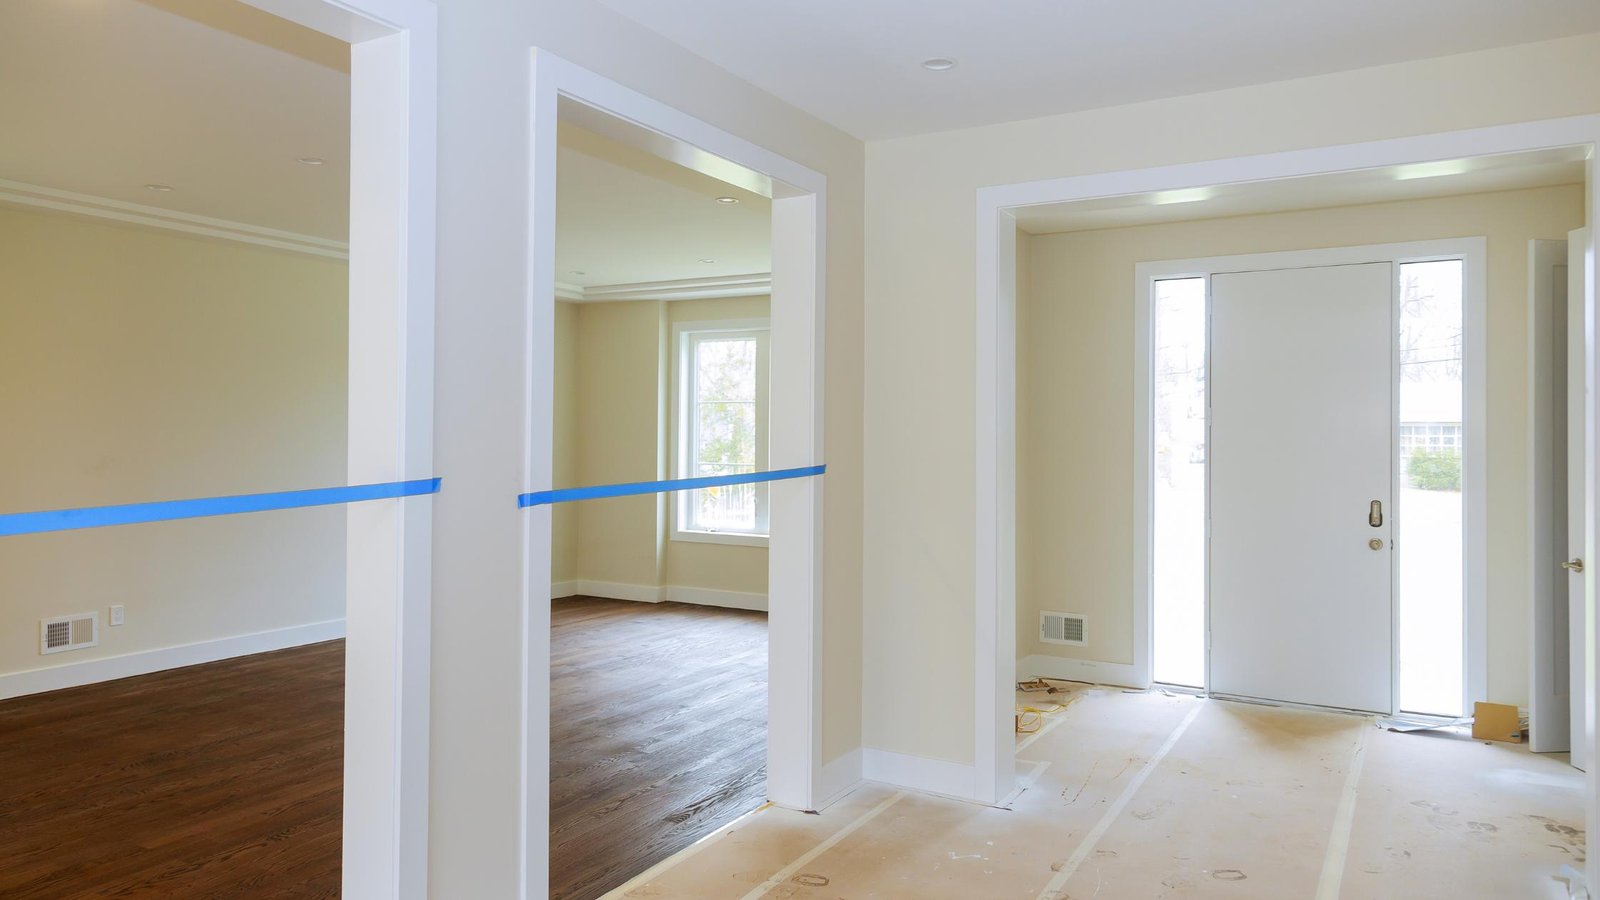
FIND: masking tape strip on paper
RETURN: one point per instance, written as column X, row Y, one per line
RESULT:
column 568, row 495
column 167, row 510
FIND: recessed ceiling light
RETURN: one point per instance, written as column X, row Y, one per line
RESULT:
column 728, row 200
column 310, row 160
column 938, row 64
column 158, row 188
column 708, row 261
column 577, row 272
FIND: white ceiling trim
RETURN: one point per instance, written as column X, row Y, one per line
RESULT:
column 681, row 289
column 20, row 194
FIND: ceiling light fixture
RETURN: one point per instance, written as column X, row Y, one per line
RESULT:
column 158, row 188
column 577, row 272
column 708, row 261
column 728, row 200
column 938, row 64
column 310, row 160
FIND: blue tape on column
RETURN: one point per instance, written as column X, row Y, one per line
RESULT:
column 166, row 510
column 568, row 495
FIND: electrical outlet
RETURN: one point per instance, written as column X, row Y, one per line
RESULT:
column 116, row 615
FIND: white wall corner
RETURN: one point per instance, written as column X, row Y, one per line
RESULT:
column 145, row 662
column 1085, row 670
column 920, row 773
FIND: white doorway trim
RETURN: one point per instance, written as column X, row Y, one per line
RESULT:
column 799, row 202
column 995, row 376
column 1473, row 252
column 393, row 140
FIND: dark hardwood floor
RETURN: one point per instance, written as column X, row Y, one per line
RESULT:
column 213, row 781
column 224, row 780
column 658, row 734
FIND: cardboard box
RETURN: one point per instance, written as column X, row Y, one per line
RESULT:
column 1496, row 722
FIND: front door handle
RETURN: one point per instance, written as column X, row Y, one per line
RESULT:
column 1575, row 566
column 1375, row 514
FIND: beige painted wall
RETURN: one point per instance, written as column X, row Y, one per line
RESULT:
column 919, row 529
column 1075, row 408
column 564, row 461
column 618, row 440
column 616, row 360
column 138, row 365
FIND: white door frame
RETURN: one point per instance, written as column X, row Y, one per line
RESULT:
column 995, row 332
column 794, row 731
column 1473, row 252
column 388, row 605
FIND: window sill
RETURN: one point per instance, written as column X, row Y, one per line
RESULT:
column 720, row 537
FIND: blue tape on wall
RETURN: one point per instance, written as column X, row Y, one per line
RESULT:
column 134, row 513
column 568, row 495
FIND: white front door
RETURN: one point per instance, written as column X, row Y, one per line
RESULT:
column 1302, row 412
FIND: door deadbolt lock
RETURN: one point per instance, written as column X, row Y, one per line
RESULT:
column 1375, row 543
column 1375, row 515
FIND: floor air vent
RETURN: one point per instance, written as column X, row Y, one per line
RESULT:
column 1063, row 628
column 69, row 632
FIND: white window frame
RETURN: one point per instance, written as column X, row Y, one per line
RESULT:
column 685, row 335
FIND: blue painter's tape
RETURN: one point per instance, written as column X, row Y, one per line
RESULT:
column 568, row 495
column 166, row 510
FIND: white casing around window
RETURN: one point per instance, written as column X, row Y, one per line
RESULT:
column 684, row 464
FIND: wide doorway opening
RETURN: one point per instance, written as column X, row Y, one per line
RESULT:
column 207, row 319
column 673, row 522
column 658, row 642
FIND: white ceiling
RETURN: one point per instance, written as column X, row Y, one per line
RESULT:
column 624, row 216
column 212, row 97
column 856, row 63
column 1506, row 172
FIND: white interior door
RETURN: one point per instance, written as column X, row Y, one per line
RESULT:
column 1577, row 406
column 1301, row 460
column 1550, row 702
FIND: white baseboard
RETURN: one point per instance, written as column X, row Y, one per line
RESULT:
column 615, row 590
column 649, row 593
column 708, row 597
column 1038, row 665
column 110, row 668
column 919, row 773
column 839, row 778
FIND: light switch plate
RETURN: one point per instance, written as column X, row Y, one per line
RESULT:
column 116, row 614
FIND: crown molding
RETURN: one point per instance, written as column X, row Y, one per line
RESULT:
column 681, row 289
column 20, row 194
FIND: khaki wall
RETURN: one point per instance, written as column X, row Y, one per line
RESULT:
column 138, row 365
column 1075, row 409
column 616, row 358
column 920, row 407
column 564, row 516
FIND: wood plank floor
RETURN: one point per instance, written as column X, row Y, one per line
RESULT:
column 222, row 780
column 658, row 734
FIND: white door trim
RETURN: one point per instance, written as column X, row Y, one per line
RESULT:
column 1473, row 252
column 995, row 375
column 794, row 745
column 393, row 141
